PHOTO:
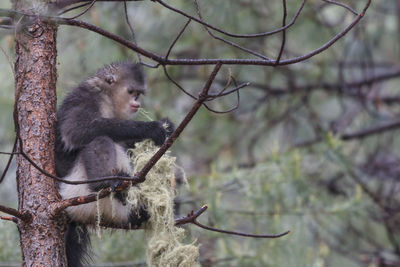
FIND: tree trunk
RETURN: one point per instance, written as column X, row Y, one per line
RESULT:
column 42, row 239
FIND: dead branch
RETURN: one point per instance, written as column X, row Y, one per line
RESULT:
column 3, row 175
column 342, row 5
column 237, row 233
column 192, row 218
column 283, row 33
column 65, row 3
column 24, row 216
column 9, row 218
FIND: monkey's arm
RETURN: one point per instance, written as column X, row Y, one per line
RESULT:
column 118, row 130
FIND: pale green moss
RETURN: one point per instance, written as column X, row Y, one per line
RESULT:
column 165, row 247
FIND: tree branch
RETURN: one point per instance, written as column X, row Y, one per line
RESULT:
column 64, row 3
column 24, row 216
column 165, row 61
column 191, row 217
column 8, row 218
column 238, row 233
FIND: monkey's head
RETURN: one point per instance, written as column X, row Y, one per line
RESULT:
column 124, row 83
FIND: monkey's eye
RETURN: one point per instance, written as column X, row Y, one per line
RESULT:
column 135, row 94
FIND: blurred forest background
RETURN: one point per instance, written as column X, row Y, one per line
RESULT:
column 313, row 147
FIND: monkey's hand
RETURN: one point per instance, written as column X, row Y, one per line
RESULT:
column 168, row 126
column 160, row 131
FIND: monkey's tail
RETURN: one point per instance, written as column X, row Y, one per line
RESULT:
column 77, row 243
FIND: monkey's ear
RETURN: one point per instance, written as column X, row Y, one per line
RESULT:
column 98, row 84
column 110, row 79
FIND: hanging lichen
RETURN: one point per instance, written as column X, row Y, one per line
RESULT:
column 165, row 247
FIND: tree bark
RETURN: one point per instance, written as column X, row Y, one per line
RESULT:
column 41, row 239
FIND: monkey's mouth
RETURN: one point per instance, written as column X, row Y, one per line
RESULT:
column 133, row 109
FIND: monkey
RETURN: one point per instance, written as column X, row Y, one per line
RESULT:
column 94, row 129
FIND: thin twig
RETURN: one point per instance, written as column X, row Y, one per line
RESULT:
column 342, row 5
column 177, row 38
column 192, row 216
column 57, row 207
column 72, row 8
column 238, row 233
column 226, row 111
column 84, row 11
column 176, row 83
column 237, row 88
column 131, row 30
column 65, row 3
column 3, row 175
column 9, row 218
column 283, row 33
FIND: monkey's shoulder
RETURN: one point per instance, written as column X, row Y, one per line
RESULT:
column 80, row 98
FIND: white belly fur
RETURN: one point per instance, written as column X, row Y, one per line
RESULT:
column 111, row 210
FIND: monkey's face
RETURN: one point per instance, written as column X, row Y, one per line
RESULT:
column 126, row 101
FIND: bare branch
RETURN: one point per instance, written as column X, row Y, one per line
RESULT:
column 84, row 11
column 177, row 37
column 3, row 175
column 237, row 88
column 192, row 216
column 342, row 5
column 176, row 83
column 24, row 216
column 64, row 3
column 56, row 208
column 8, row 218
column 283, row 33
column 238, row 233
column 131, row 29
column 180, row 221
column 72, row 8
